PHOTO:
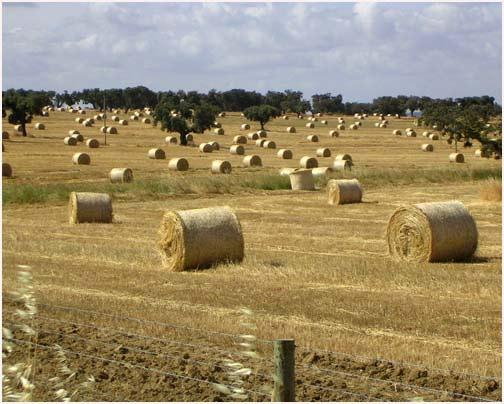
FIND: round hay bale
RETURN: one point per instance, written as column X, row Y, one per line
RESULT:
column 134, row 118
column 285, row 154
column 222, row 115
column 237, row 149
column 87, row 123
column 45, row 113
column 39, row 126
column 353, row 127
column 322, row 172
column 358, row 123
column 377, row 124
column 312, row 138
column 260, row 142
column 456, row 158
column 291, row 129
column 112, row 130
column 221, row 167
column 426, row 134
column 434, row 136
column 323, row 152
column 78, row 137
column 138, row 114
column 285, row 117
column 481, row 153
column 90, row 207
column 189, row 137
column 215, row 145
column 343, row 157
column 90, row 120
column 73, row 132
column 333, row 133
column 253, row 136
column 302, row 180
column 310, row 125
column 103, row 129
column 92, row 143
column 217, row 124
column 121, row 175
column 178, row 164
column 146, row 120
column 411, row 133
column 269, row 144
column 199, row 238
column 342, row 165
column 171, row 140
column 245, row 126
column 397, row 132
column 123, row 122
column 262, row 133
column 432, row 232
column 219, row 131
column 5, row 135
column 252, row 161
column 240, row 139
column 383, row 125
column 97, row 117
column 205, row 148
column 314, row 119
column 157, row 154
column 82, row 112
column 81, row 159
column 344, row 191
column 323, row 122
column 6, row 170
column 70, row 141
column 115, row 118
column 341, row 127
column 308, row 162
column 427, row 147
column 79, row 120
column 285, row 172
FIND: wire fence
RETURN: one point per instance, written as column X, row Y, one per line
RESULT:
column 257, row 371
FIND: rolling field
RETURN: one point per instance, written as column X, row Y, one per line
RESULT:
column 318, row 273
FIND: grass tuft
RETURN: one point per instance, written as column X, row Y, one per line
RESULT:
column 491, row 190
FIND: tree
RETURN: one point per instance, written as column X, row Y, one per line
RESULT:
column 261, row 114
column 325, row 103
column 23, row 105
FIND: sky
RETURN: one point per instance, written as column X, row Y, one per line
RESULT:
column 359, row 50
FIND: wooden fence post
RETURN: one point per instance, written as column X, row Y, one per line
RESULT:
column 285, row 380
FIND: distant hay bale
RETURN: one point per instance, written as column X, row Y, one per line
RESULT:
column 171, row 140
column 205, row 148
column 377, row 124
column 342, row 165
column 73, row 132
column 481, row 153
column 123, row 122
column 237, row 149
column 427, row 147
column 222, row 115
column 103, row 129
column 358, row 123
column 199, row 238
column 78, row 137
column 157, row 154
column 291, row 129
column 432, row 232
column 308, row 162
column 146, row 120
column 245, row 126
column 45, row 113
column 353, row 127
column 260, row 142
column 262, row 133
column 285, row 117
column 269, row 144
column 87, row 123
column 5, row 135
column 397, row 132
column 112, row 130
column 215, row 145
column 115, row 118
column 134, row 118
column 217, row 124
column 312, row 138
column 456, row 158
column 178, row 164
column 70, row 141
column 323, row 152
column 221, row 167
column 285, row 172
column 333, row 133
column 121, row 175
column 302, row 180
column 252, row 161
column 82, row 112
column 253, row 136
column 90, row 207
column 190, row 137
column 341, row 192
column 323, row 122
column 79, row 120
column 97, row 117
column 219, row 131
column 341, row 120
column 314, row 119
column 322, row 172
column 92, row 143
column 343, row 157
column 240, row 139
column 81, row 159
column 310, row 125
column 434, row 136
column 426, row 134
column 39, row 126
column 411, row 133
column 285, row 154
column 6, row 170
column 383, row 125
column 341, row 127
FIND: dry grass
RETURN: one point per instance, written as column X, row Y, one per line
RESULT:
column 491, row 190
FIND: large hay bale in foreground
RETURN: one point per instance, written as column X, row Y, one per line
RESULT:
column 70, row 141
column 92, row 143
column 323, row 152
column 6, row 170
column 157, row 154
column 221, row 167
column 432, row 232
column 39, row 126
column 341, row 192
column 121, row 175
column 81, row 159
column 198, row 238
column 178, row 164
column 237, row 149
column 285, row 154
column 90, row 207
column 427, row 147
column 308, row 162
column 302, row 180
column 456, row 158
column 252, row 161
column 291, row 129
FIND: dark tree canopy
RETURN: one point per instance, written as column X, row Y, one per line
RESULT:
column 23, row 105
column 261, row 114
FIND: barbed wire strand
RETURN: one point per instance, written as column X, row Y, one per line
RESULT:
column 346, row 392
column 129, row 364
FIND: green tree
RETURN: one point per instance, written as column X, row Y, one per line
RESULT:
column 23, row 105
column 261, row 114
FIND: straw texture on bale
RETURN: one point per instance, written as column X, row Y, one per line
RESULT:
column 432, row 232
column 333, row 133
column 269, row 144
column 342, row 165
column 78, row 137
column 112, row 130
column 341, row 192
column 221, row 167
column 92, row 143
column 291, row 129
column 312, row 138
column 262, row 133
column 322, row 171
column 178, row 164
column 240, row 139
column 285, row 172
column 120, row 175
column 6, row 170
column 343, row 157
column 397, row 132
column 253, row 136
column 285, row 154
column 90, row 207
column 39, row 126
column 237, row 149
column 219, row 131
column 198, row 238
column 456, row 158
column 310, row 125
column 171, row 140
column 434, row 136
column 260, row 142
column 205, row 148
column 146, row 120
column 308, row 162
column 323, row 152
column 302, row 180
column 5, row 135
column 252, row 161
column 157, row 154
column 215, row 145
column 70, row 141
column 427, row 147
column 81, row 159
column 341, row 127
column 245, row 126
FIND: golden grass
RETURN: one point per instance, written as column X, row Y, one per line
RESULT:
column 491, row 190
